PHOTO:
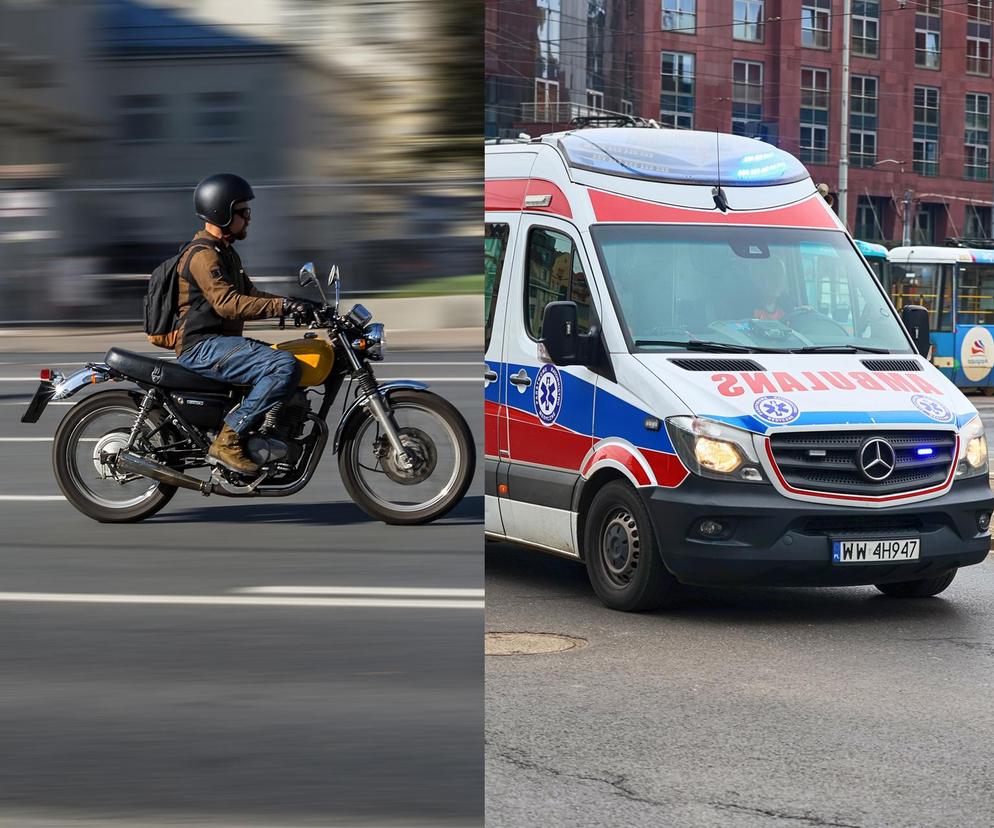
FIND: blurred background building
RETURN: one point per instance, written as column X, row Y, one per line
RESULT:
column 920, row 88
column 342, row 115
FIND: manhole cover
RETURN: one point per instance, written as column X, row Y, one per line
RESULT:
column 529, row 643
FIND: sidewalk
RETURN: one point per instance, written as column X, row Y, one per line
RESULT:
column 432, row 323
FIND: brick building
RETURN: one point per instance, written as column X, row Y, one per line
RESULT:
column 920, row 89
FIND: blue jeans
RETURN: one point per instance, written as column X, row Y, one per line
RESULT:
column 272, row 374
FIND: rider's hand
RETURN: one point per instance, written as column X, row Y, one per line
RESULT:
column 298, row 307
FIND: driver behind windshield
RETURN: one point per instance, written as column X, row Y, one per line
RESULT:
column 770, row 284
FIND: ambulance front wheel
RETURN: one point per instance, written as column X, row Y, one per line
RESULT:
column 622, row 553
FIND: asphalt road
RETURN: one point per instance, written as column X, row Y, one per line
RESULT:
column 213, row 704
column 740, row 708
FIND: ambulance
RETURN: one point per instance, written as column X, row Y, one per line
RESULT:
column 693, row 377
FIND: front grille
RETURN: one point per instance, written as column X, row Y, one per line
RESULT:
column 828, row 461
column 868, row 526
column 718, row 364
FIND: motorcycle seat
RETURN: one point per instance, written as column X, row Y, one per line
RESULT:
column 161, row 373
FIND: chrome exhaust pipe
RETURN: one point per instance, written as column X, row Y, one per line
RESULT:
column 134, row 464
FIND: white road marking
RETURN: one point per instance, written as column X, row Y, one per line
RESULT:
column 31, row 497
column 27, row 439
column 233, row 601
column 393, row 592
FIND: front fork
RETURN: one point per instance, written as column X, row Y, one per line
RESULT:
column 374, row 403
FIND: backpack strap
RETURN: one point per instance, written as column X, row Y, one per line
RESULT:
column 184, row 271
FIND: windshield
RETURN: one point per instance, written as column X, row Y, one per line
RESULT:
column 757, row 288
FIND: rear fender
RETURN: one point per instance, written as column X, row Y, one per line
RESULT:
column 355, row 410
column 92, row 374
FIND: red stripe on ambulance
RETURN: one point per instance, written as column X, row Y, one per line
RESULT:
column 811, row 213
column 509, row 194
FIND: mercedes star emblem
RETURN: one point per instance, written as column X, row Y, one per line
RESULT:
column 877, row 459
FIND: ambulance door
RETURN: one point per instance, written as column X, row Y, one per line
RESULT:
column 498, row 236
column 549, row 409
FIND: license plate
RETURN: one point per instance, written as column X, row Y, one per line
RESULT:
column 889, row 550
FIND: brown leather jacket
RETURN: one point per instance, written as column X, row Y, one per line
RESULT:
column 216, row 295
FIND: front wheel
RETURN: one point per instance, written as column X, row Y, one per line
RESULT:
column 921, row 588
column 86, row 445
column 435, row 437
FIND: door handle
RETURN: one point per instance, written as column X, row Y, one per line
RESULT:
column 521, row 379
column 489, row 376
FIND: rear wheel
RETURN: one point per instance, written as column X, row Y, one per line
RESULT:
column 922, row 588
column 622, row 555
column 87, row 442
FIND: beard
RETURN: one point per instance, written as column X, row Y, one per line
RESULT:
column 241, row 234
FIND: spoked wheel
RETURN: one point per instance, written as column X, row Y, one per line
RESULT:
column 439, row 444
column 623, row 561
column 87, row 443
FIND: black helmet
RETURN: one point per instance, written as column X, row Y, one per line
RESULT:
column 216, row 194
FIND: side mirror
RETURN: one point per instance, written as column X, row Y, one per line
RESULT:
column 559, row 333
column 915, row 319
column 307, row 275
column 335, row 279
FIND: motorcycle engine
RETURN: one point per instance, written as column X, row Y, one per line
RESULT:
column 285, row 421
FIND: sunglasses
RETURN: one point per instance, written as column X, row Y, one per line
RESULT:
column 244, row 212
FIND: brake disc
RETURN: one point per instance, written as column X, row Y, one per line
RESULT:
column 106, row 449
column 420, row 450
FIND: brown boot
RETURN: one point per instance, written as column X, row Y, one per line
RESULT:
column 227, row 449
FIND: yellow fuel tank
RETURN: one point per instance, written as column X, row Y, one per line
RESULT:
column 316, row 358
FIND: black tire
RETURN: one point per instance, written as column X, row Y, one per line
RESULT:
column 462, row 475
column 922, row 588
column 622, row 554
column 65, row 473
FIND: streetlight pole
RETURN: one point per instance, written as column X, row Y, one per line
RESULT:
column 844, row 117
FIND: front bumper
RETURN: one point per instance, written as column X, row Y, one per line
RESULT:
column 771, row 540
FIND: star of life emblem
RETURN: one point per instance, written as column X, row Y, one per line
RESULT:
column 776, row 410
column 548, row 394
column 932, row 408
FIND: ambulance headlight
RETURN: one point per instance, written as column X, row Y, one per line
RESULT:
column 972, row 459
column 712, row 449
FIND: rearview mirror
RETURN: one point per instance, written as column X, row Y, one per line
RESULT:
column 559, row 334
column 333, row 276
column 307, row 275
column 915, row 319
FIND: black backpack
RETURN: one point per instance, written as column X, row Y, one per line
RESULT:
column 161, row 306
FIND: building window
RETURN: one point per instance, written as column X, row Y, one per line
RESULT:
column 595, row 100
column 547, row 57
column 978, row 222
column 863, row 121
column 747, row 97
column 923, row 231
column 546, row 107
column 869, row 218
column 676, row 101
column 627, row 108
column 978, row 38
column 142, row 118
column 926, row 132
column 814, row 115
column 928, row 34
column 866, row 28
column 816, row 24
column 680, row 16
column 748, row 18
column 219, row 116
column 977, row 138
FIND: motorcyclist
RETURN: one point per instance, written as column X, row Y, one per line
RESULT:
column 216, row 296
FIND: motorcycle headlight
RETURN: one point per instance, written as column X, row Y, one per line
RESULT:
column 372, row 343
column 972, row 460
column 712, row 449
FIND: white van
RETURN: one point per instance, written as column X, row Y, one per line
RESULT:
column 692, row 376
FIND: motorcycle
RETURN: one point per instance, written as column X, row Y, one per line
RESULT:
column 406, row 455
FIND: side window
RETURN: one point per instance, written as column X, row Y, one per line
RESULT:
column 494, row 248
column 554, row 273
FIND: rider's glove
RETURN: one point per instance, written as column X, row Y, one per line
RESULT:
column 297, row 307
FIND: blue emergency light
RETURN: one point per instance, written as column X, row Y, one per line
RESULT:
column 925, row 452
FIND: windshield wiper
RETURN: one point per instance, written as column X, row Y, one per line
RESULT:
column 839, row 349
column 708, row 345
